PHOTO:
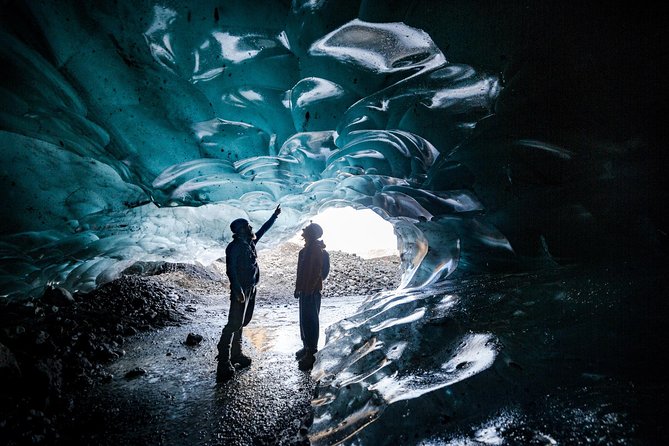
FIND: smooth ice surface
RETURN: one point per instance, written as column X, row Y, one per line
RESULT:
column 167, row 122
column 550, row 357
column 514, row 138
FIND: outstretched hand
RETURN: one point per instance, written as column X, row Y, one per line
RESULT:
column 277, row 211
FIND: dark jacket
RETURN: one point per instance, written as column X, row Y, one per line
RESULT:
column 313, row 266
column 241, row 264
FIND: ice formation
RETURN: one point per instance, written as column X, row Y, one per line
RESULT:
column 136, row 131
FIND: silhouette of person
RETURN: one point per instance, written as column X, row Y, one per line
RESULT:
column 313, row 266
column 241, row 267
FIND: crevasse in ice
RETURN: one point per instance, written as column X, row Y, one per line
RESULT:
column 501, row 144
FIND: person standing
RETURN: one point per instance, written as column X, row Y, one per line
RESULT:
column 242, row 269
column 313, row 266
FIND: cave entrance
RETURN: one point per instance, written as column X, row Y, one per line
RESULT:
column 364, row 260
column 355, row 231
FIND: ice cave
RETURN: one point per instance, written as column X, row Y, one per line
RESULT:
column 515, row 146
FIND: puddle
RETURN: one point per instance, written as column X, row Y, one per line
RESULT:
column 177, row 401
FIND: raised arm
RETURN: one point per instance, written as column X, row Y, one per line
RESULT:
column 268, row 224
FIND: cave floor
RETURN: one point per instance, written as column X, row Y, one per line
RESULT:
column 177, row 400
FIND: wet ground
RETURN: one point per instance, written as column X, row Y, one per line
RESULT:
column 112, row 366
column 173, row 397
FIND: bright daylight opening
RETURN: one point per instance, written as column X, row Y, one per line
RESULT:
column 361, row 232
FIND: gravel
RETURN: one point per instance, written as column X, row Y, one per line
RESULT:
column 63, row 358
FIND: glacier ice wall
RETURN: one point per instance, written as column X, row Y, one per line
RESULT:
column 137, row 132
column 555, row 356
column 158, row 124
column 499, row 138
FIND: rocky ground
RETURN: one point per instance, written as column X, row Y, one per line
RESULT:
column 71, row 367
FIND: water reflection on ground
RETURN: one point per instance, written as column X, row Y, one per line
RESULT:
column 177, row 401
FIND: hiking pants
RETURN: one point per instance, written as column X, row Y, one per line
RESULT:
column 239, row 316
column 310, row 308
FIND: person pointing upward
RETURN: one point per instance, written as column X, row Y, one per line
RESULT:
column 242, row 269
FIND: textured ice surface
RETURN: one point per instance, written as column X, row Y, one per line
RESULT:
column 139, row 133
column 136, row 131
column 529, row 358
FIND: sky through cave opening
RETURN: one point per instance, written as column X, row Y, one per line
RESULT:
column 355, row 231
column 364, row 261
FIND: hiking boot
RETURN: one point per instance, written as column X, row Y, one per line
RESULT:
column 224, row 372
column 241, row 361
column 306, row 362
column 300, row 353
